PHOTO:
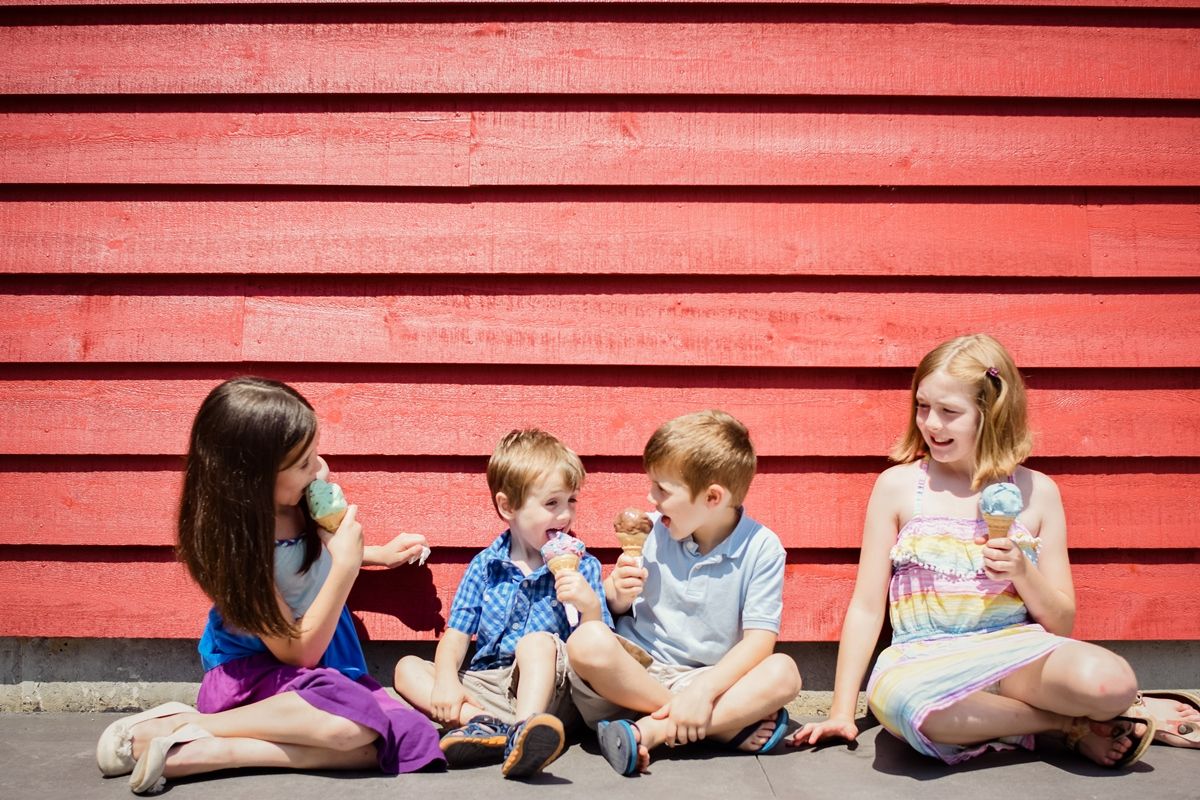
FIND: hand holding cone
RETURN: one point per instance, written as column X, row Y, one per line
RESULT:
column 562, row 553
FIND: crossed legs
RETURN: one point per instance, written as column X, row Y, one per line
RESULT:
column 598, row 657
column 1076, row 680
column 281, row 731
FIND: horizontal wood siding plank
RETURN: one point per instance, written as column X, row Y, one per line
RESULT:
column 439, row 417
column 102, row 327
column 783, row 233
column 595, row 321
column 822, row 144
column 247, row 147
column 957, row 54
column 602, row 3
column 765, row 329
column 792, row 142
column 810, row 503
column 116, row 597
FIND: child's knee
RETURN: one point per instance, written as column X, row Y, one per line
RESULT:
column 408, row 669
column 339, row 733
column 1109, row 679
column 588, row 646
column 537, row 645
column 781, row 673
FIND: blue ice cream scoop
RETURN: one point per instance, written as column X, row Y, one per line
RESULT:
column 1000, row 503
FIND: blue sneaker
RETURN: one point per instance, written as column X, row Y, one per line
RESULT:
column 532, row 744
column 481, row 741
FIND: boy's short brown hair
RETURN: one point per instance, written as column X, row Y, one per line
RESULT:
column 525, row 455
column 704, row 448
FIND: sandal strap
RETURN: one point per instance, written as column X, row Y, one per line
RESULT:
column 481, row 725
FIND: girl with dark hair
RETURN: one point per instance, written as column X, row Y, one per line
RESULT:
column 285, row 682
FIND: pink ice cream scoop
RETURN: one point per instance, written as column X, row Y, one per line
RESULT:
column 562, row 553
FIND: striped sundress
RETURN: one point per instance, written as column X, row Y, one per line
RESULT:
column 954, row 630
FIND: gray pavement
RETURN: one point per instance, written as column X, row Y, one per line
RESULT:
column 52, row 755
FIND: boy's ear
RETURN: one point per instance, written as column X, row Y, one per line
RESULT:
column 504, row 507
column 715, row 495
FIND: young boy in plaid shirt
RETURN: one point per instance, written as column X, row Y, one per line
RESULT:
column 509, row 703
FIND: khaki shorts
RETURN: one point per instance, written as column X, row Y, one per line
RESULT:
column 594, row 708
column 495, row 690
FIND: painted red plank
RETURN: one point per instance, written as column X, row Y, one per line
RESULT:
column 1125, row 240
column 792, row 142
column 466, row 411
column 1002, row 3
column 852, row 232
column 808, row 502
column 761, row 326
column 119, row 598
column 826, row 143
column 131, row 327
column 271, row 146
column 956, row 54
column 595, row 321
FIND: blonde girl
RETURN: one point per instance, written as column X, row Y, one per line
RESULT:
column 980, row 657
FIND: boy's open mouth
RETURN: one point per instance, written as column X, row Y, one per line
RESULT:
column 665, row 520
column 550, row 534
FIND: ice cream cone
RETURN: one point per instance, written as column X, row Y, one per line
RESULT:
column 330, row 522
column 632, row 527
column 564, row 563
column 998, row 525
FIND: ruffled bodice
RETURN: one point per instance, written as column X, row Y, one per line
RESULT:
column 938, row 583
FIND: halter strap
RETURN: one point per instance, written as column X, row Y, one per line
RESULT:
column 922, row 479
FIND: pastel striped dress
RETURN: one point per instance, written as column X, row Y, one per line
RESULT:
column 954, row 630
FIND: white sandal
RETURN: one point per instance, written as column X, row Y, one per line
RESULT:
column 114, row 751
column 147, row 777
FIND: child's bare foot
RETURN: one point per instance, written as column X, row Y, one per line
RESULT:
column 1178, row 722
column 1108, row 744
column 755, row 741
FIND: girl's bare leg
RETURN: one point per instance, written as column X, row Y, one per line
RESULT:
column 211, row 754
column 285, row 719
column 1076, row 680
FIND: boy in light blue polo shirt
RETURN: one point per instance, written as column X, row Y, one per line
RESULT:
column 692, row 656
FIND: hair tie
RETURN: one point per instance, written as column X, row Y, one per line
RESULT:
column 995, row 373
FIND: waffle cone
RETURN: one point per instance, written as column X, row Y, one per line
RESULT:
column 632, row 543
column 998, row 525
column 330, row 522
column 563, row 564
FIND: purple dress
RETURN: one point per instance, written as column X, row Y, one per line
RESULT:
column 239, row 670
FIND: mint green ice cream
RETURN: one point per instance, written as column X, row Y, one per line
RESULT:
column 1002, row 500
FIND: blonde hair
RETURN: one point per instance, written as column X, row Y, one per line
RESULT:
column 704, row 448
column 523, row 457
column 1003, row 440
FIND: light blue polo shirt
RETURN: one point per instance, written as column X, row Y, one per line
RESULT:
column 695, row 608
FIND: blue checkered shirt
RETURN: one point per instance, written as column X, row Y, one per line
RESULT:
column 498, row 605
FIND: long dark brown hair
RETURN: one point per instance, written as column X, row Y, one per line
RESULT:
column 245, row 431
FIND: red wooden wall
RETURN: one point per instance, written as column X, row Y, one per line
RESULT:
column 441, row 222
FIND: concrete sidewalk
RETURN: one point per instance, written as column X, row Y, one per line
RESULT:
column 52, row 755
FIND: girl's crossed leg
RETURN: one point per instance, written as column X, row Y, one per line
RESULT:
column 1077, row 680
